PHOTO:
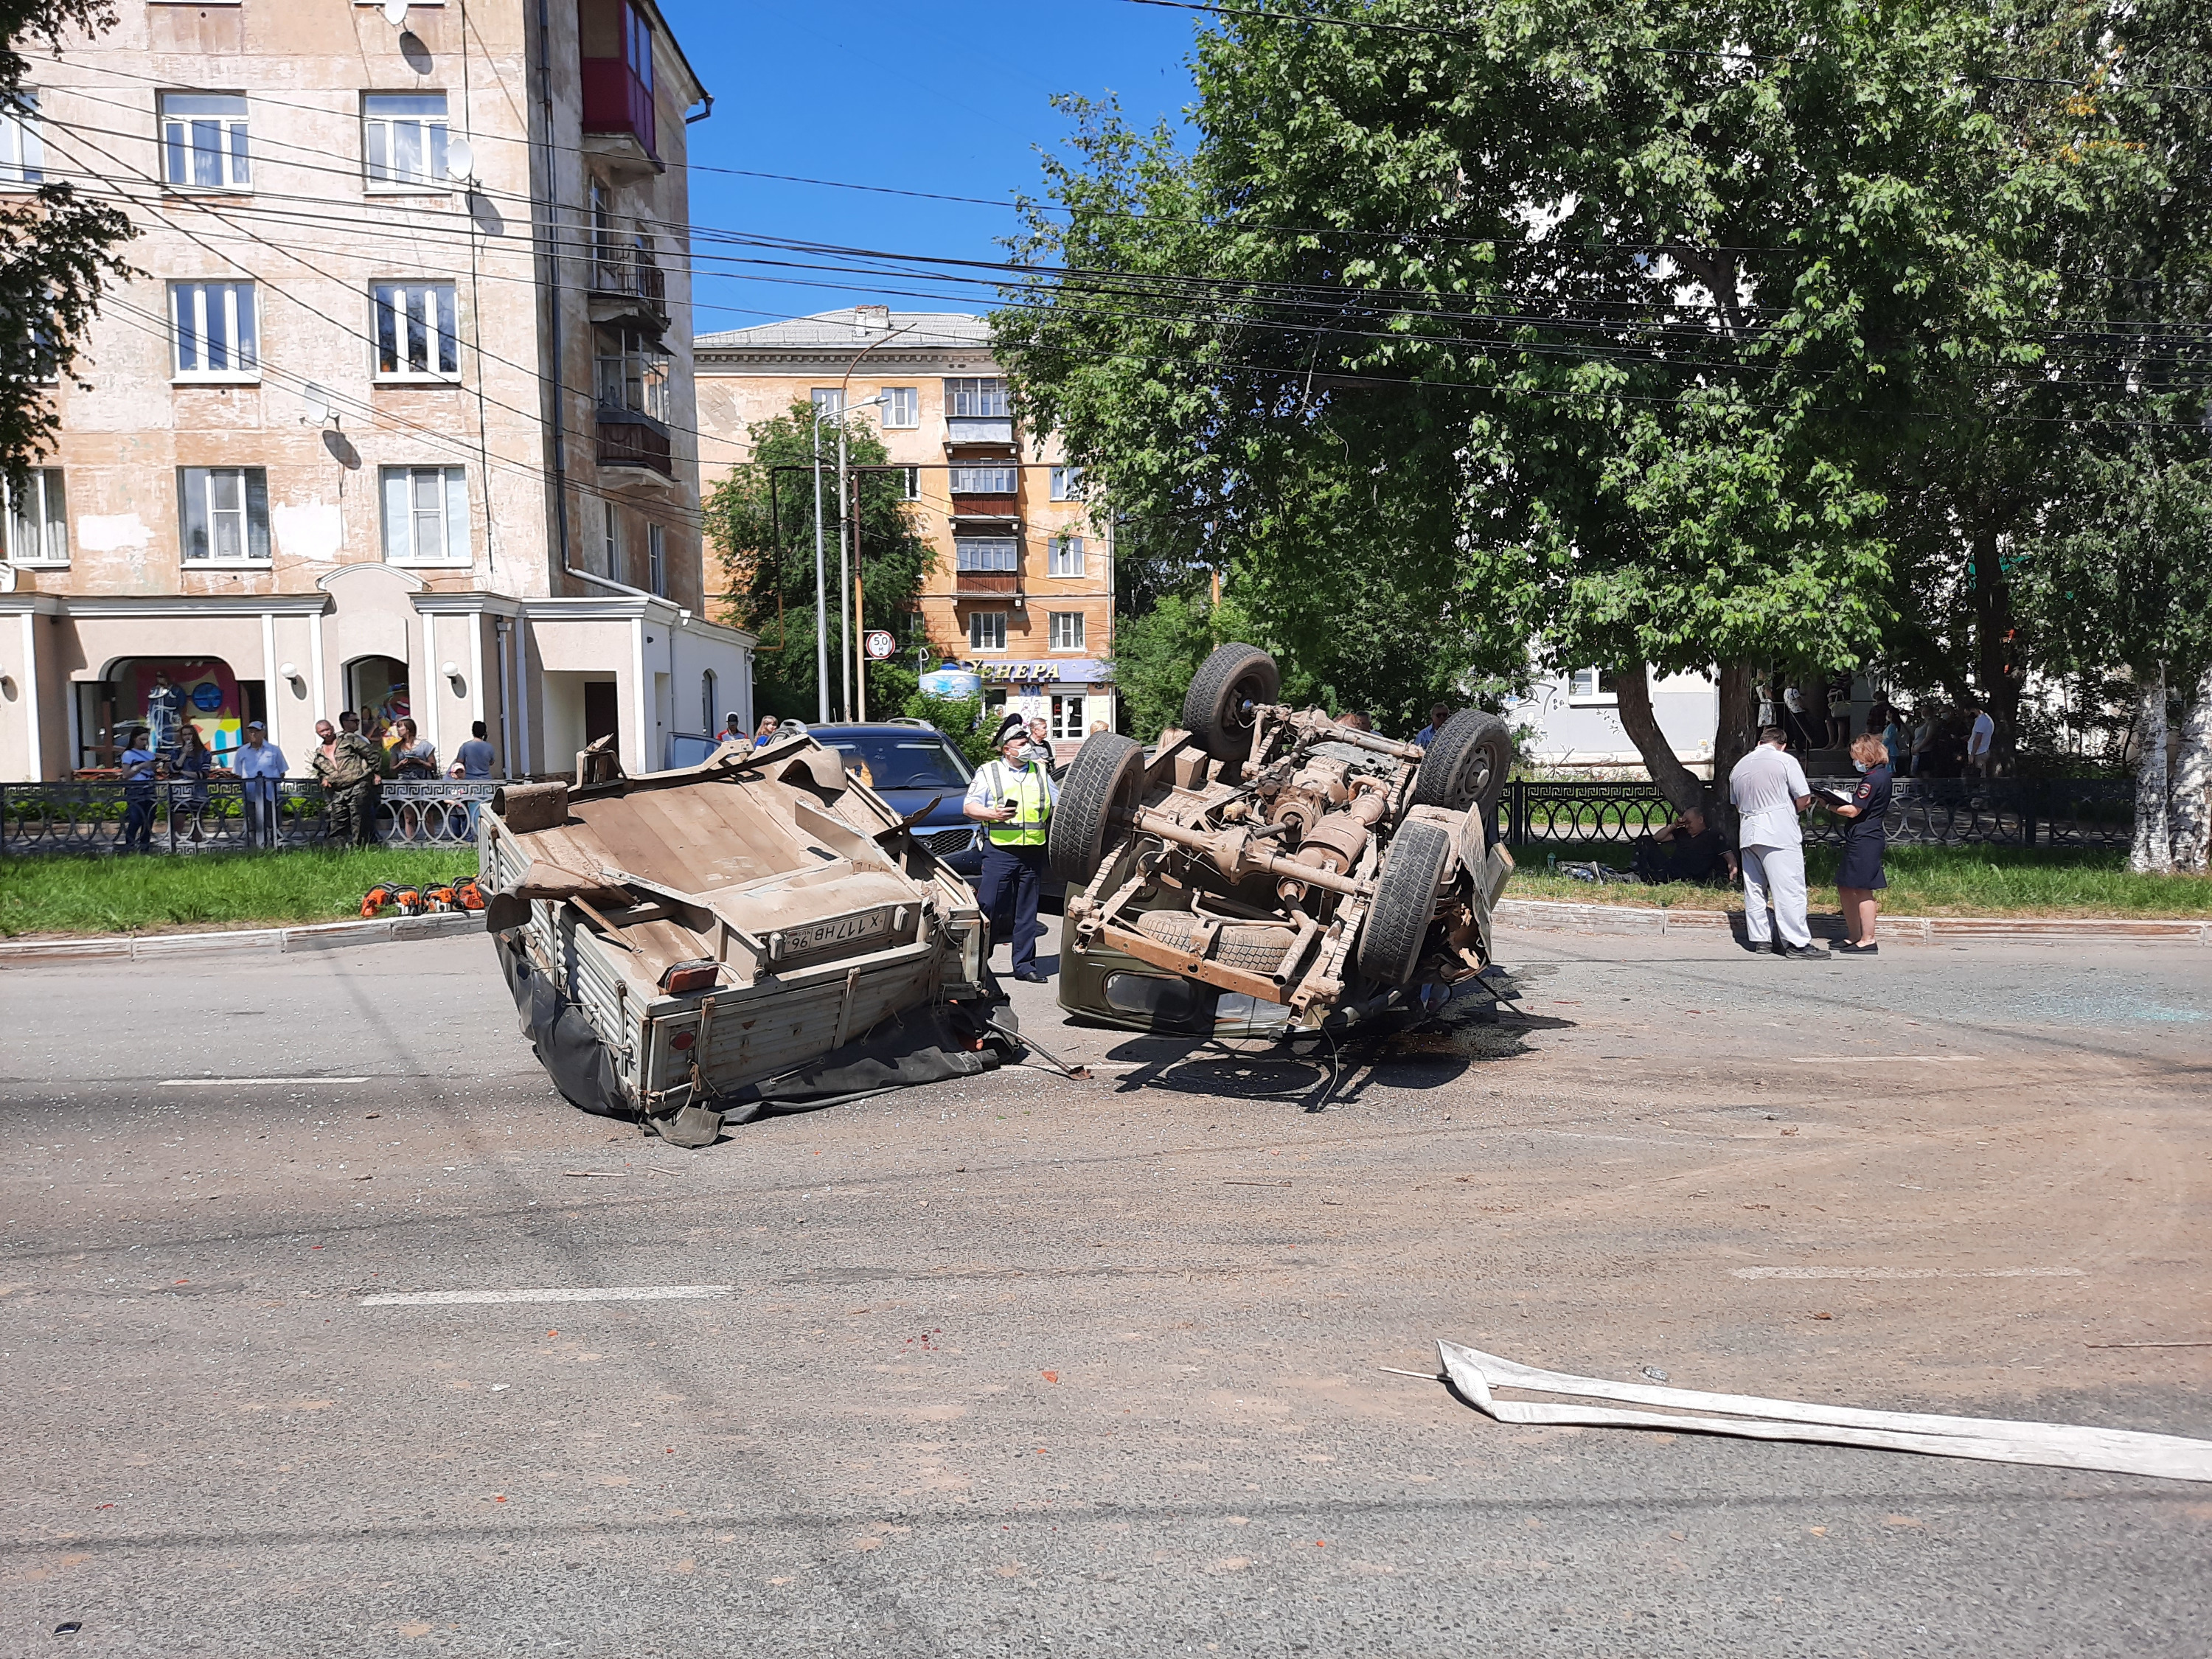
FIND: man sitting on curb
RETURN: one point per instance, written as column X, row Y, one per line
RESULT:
column 1687, row 849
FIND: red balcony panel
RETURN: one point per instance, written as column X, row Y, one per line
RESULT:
column 969, row 506
column 615, row 101
column 986, row 584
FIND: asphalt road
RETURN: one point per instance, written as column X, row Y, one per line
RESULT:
column 1029, row 1366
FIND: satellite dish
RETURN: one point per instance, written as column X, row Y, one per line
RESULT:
column 460, row 161
column 395, row 13
column 318, row 401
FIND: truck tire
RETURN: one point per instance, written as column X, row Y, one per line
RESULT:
column 1466, row 765
column 1405, row 902
column 1104, row 782
column 1217, row 710
column 1255, row 950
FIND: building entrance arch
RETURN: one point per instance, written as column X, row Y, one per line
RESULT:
column 376, row 689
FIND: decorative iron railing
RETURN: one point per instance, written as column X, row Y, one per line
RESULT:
column 182, row 817
column 2096, row 813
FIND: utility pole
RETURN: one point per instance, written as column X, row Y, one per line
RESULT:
column 821, row 597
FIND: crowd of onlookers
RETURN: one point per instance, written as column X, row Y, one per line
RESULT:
column 352, row 760
column 1936, row 740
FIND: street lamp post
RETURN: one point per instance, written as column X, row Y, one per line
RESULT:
column 821, row 594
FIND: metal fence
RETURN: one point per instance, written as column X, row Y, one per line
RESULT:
column 188, row 817
column 2097, row 812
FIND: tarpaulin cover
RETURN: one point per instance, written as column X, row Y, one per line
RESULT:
column 923, row 1045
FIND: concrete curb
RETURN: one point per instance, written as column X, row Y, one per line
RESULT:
column 1650, row 918
column 274, row 941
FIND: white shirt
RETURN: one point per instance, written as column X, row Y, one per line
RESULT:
column 1765, row 788
column 1978, row 742
column 265, row 762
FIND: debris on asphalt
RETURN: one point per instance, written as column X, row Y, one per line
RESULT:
column 1474, row 1375
column 1654, row 1373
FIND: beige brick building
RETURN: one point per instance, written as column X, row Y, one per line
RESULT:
column 1023, row 589
column 399, row 416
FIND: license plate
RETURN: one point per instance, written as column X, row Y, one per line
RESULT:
column 842, row 930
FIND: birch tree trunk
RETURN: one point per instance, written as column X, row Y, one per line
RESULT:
column 2153, row 853
column 1632, row 686
column 2192, row 784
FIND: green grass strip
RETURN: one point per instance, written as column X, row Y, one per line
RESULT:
column 1923, row 881
column 68, row 894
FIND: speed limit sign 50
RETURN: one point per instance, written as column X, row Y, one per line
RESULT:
column 880, row 646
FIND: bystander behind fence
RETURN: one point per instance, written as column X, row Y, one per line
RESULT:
column 188, row 817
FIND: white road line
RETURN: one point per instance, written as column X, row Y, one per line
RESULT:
column 583, row 1293
column 1906, row 1273
column 1848, row 1059
column 231, row 1082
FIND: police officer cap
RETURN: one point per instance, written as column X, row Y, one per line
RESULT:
column 1012, row 725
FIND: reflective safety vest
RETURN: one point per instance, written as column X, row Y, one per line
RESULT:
column 1031, row 790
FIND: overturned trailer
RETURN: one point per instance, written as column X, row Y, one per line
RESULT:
column 1308, row 870
column 689, row 948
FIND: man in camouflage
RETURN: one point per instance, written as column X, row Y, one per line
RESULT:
column 347, row 764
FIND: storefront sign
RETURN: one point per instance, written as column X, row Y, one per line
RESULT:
column 1080, row 671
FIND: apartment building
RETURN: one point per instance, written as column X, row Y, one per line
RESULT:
column 1022, row 591
column 399, row 415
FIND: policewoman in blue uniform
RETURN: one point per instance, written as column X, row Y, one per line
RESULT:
column 1859, row 877
column 1013, row 797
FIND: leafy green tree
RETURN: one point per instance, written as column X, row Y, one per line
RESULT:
column 56, row 251
column 771, row 581
column 1511, row 323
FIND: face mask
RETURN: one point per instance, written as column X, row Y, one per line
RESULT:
column 1861, row 764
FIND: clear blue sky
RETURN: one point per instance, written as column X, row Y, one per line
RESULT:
column 949, row 99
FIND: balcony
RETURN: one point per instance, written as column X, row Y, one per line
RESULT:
column 627, row 284
column 619, row 125
column 995, row 431
column 986, row 585
column 633, row 441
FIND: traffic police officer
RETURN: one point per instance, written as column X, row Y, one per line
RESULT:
column 1014, row 796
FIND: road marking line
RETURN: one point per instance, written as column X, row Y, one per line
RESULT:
column 1906, row 1273
column 1847, row 1060
column 584, row 1293
column 227, row 1082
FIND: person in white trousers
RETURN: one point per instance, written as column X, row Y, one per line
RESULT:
column 1768, row 790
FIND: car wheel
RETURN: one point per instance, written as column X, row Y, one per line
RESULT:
column 1217, row 710
column 1466, row 764
column 1104, row 784
column 1390, row 945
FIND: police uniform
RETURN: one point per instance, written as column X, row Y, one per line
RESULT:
column 1866, row 836
column 1014, row 851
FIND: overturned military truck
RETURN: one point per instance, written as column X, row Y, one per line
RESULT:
column 757, row 931
column 1269, row 855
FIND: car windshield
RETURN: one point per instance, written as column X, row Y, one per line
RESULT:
column 923, row 761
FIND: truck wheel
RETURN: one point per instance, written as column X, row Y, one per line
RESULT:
column 1405, row 902
column 1466, row 764
column 1217, row 710
column 1104, row 782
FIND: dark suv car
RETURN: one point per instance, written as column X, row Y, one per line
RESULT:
column 912, row 766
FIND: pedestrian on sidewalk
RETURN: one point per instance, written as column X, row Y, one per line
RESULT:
column 1014, row 796
column 1768, row 791
column 346, row 764
column 137, row 763
column 261, row 766
column 1978, row 738
column 1860, row 876
column 190, row 766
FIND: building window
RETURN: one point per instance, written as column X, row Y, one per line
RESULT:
column 417, row 335
column 610, row 548
column 970, row 553
column 37, row 519
column 203, row 141
column 1067, row 718
column 637, row 46
column 826, row 400
column 710, row 716
column 1593, row 685
column 633, row 372
column 656, row 559
column 217, row 334
column 404, row 139
column 1066, row 631
column 223, row 512
column 22, row 151
column 975, row 399
column 985, row 480
column 909, row 483
column 426, row 515
column 987, row 630
column 902, row 405
column 1066, row 557
column 1067, row 483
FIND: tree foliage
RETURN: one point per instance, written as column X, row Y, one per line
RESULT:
column 56, row 251
column 767, row 550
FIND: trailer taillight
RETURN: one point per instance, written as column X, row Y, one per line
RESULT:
column 687, row 976
column 683, row 1040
